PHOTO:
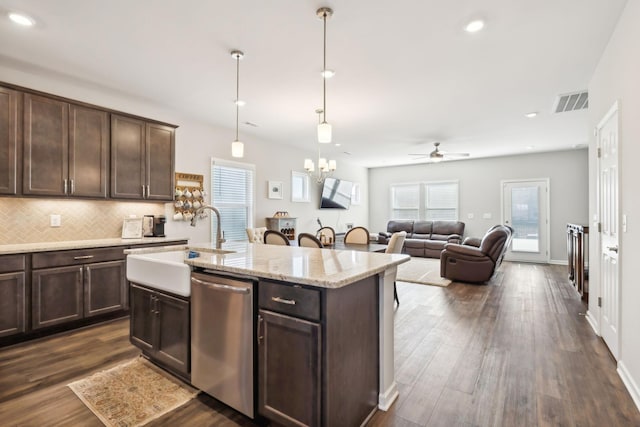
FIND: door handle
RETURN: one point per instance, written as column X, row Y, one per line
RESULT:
column 612, row 248
column 220, row 287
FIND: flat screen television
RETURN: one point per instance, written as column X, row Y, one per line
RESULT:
column 336, row 194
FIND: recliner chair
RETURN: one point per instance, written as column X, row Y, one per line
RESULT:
column 476, row 264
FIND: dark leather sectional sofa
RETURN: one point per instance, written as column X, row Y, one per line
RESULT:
column 424, row 238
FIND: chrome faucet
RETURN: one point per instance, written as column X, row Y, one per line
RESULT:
column 219, row 233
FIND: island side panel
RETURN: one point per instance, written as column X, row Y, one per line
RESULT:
column 388, row 386
column 350, row 392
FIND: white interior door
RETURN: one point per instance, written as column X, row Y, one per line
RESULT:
column 608, row 205
column 525, row 209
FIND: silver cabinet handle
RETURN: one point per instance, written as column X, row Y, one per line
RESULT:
column 260, row 335
column 613, row 248
column 221, row 287
column 284, row 301
column 143, row 196
column 148, row 191
column 73, row 186
column 65, row 186
column 83, row 257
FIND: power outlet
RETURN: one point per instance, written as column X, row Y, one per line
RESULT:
column 469, row 216
column 55, row 220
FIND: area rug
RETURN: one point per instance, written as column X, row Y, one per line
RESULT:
column 425, row 271
column 131, row 394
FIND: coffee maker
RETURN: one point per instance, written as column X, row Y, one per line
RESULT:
column 158, row 225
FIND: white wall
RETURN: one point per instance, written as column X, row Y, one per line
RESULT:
column 197, row 143
column 480, row 190
column 617, row 79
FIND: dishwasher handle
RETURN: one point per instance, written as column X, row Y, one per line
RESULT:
column 221, row 287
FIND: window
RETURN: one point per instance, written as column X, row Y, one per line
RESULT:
column 232, row 192
column 432, row 201
column 441, row 201
column 299, row 187
column 405, row 201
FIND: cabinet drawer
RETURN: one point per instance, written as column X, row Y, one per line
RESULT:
column 10, row 263
column 293, row 300
column 76, row 256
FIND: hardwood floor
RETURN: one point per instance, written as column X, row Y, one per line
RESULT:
column 515, row 352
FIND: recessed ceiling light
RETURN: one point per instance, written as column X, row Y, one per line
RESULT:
column 337, row 144
column 531, row 115
column 327, row 74
column 474, row 26
column 529, row 147
column 21, row 19
column 240, row 103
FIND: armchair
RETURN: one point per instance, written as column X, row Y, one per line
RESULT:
column 470, row 263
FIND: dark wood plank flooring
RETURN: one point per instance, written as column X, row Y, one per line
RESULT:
column 515, row 352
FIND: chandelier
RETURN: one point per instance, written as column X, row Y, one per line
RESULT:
column 325, row 167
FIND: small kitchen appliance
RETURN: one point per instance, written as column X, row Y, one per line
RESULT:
column 158, row 225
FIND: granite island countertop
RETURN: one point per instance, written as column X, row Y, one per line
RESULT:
column 327, row 268
column 21, row 248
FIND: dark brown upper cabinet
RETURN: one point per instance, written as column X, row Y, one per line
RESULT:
column 65, row 149
column 142, row 159
column 10, row 135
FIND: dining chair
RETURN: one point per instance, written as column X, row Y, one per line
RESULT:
column 396, row 242
column 326, row 235
column 256, row 235
column 273, row 237
column 359, row 235
column 309, row 241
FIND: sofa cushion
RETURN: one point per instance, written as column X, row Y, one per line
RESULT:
column 400, row 225
column 448, row 227
column 421, row 230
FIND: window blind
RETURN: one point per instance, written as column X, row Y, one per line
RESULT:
column 441, row 201
column 232, row 192
column 405, row 200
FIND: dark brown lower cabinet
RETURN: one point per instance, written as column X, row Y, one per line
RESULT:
column 318, row 353
column 56, row 296
column 65, row 294
column 105, row 287
column 160, row 328
column 12, row 303
column 289, row 369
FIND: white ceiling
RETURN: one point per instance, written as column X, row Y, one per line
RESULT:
column 406, row 72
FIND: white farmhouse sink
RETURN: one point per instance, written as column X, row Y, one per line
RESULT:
column 165, row 271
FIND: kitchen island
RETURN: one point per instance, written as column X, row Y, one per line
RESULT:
column 334, row 297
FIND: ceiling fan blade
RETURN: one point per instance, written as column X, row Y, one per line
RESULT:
column 417, row 156
column 447, row 154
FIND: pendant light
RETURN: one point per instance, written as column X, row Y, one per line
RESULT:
column 324, row 128
column 325, row 167
column 237, row 147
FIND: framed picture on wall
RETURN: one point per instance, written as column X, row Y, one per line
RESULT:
column 275, row 190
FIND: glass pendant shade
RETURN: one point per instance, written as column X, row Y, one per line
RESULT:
column 324, row 133
column 237, row 149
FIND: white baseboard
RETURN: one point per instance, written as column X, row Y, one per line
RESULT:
column 386, row 399
column 628, row 381
column 593, row 322
column 559, row 262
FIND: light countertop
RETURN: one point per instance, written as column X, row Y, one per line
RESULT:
column 326, row 268
column 82, row 244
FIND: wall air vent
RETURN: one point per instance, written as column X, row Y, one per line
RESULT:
column 571, row 102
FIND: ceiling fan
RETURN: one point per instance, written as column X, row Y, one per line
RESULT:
column 436, row 155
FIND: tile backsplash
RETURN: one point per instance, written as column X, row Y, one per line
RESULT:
column 24, row 220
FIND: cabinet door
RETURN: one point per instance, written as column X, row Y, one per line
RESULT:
column 104, row 287
column 88, row 152
column 127, row 157
column 172, row 335
column 289, row 381
column 10, row 134
column 160, row 162
column 56, row 295
column 45, row 156
column 12, row 313
column 143, row 317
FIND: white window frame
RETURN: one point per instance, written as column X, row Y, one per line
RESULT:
column 422, row 208
column 303, row 179
column 250, row 200
column 392, row 199
column 425, row 199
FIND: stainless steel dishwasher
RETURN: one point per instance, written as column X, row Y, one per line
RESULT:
column 222, row 357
